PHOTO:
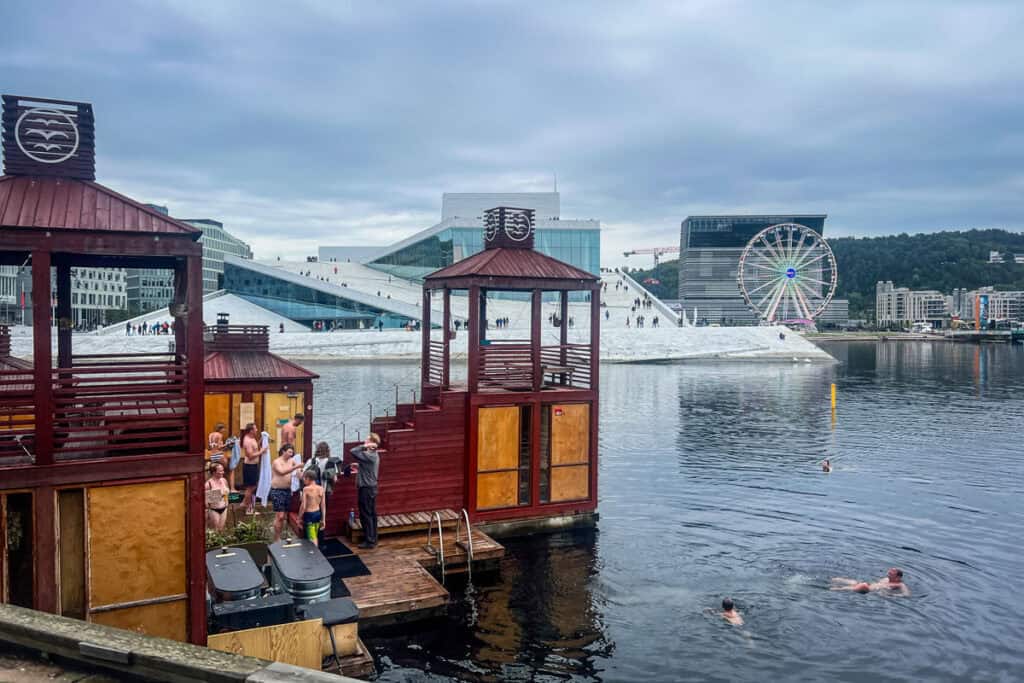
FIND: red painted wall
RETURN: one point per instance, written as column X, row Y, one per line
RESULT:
column 421, row 468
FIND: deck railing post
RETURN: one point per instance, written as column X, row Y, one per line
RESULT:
column 42, row 357
column 425, row 348
column 535, row 339
column 446, row 348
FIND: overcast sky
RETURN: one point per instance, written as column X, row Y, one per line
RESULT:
column 332, row 123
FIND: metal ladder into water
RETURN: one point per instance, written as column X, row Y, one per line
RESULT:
column 438, row 552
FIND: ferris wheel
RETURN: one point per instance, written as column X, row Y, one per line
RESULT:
column 787, row 272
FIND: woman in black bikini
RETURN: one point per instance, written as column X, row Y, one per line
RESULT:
column 217, row 514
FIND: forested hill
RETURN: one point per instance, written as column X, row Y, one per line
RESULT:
column 937, row 260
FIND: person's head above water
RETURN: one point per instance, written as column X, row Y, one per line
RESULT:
column 895, row 575
column 728, row 605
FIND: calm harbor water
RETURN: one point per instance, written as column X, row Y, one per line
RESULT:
column 709, row 486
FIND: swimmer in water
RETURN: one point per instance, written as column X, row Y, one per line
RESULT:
column 730, row 614
column 826, row 466
column 892, row 582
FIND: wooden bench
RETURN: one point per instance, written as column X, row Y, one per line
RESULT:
column 404, row 523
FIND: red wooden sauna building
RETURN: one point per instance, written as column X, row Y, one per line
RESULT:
column 245, row 383
column 101, row 455
column 514, row 444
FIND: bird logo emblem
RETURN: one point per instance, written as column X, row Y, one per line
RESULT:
column 48, row 136
column 518, row 226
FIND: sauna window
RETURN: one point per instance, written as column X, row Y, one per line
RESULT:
column 545, row 454
column 525, row 433
column 16, row 540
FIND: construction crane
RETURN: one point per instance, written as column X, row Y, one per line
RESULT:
column 656, row 251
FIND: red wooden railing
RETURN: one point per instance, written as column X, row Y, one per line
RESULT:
column 104, row 405
column 505, row 364
column 574, row 359
column 438, row 372
column 17, row 414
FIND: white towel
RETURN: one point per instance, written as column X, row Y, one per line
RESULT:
column 263, row 488
column 297, row 474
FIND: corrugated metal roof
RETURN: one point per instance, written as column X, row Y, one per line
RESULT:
column 252, row 366
column 72, row 204
column 512, row 263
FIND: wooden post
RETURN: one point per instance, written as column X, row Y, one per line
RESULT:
column 483, row 313
column 196, row 516
column 447, row 353
column 64, row 321
column 425, row 347
column 595, row 383
column 44, row 578
column 535, row 337
column 473, row 342
column 563, row 337
column 180, row 297
column 42, row 357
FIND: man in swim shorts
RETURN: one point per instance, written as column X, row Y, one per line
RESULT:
column 281, row 486
column 312, row 508
column 892, row 582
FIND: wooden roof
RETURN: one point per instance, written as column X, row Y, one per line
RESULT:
column 253, row 366
column 511, row 264
column 72, row 204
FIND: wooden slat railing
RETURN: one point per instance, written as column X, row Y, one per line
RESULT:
column 17, row 415
column 574, row 358
column 104, row 405
column 114, row 405
column 505, row 364
column 438, row 375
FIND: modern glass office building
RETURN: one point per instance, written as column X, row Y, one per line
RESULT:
column 150, row 288
column 308, row 300
column 709, row 253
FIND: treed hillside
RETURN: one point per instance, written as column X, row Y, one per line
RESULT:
column 938, row 260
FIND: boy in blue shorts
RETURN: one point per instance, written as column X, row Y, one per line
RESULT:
column 313, row 507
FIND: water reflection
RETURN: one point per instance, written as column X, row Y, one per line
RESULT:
column 709, row 486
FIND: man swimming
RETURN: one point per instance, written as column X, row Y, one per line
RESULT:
column 892, row 582
column 826, row 466
column 730, row 614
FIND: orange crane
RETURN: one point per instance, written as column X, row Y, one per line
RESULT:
column 656, row 251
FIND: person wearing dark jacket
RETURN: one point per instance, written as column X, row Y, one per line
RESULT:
column 368, row 464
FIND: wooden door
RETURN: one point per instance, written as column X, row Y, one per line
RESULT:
column 497, row 457
column 570, row 452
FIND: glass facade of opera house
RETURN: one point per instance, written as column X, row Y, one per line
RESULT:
column 579, row 246
column 305, row 304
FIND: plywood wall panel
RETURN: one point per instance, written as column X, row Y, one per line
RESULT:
column 136, row 542
column 297, row 643
column 498, row 438
column 497, row 490
column 570, row 433
column 570, row 483
column 163, row 620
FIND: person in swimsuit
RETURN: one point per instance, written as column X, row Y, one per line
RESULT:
column 215, row 449
column 289, row 430
column 826, row 466
column 216, row 515
column 313, row 507
column 281, row 485
column 251, row 454
column 892, row 582
column 730, row 614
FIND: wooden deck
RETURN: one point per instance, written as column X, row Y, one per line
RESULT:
column 400, row 587
column 403, row 524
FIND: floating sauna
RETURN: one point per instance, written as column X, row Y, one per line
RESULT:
column 101, row 491
column 516, row 443
column 246, row 383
